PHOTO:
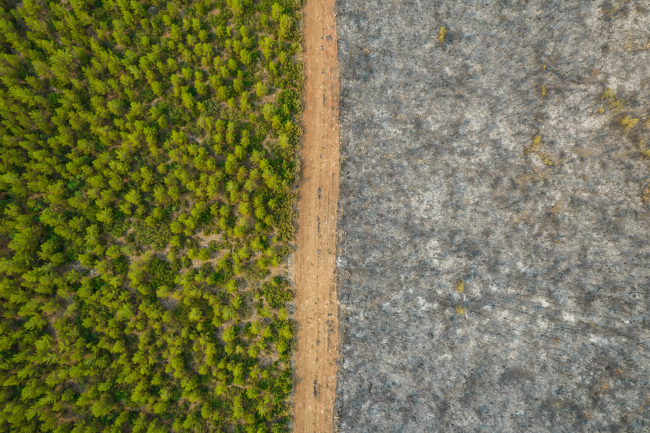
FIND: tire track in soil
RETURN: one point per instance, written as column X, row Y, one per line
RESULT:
column 316, row 305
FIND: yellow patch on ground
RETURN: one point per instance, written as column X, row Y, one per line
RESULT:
column 628, row 123
column 442, row 34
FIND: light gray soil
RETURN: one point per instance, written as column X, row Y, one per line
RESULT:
column 550, row 332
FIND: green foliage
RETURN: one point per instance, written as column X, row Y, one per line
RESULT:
column 155, row 235
column 146, row 168
column 276, row 292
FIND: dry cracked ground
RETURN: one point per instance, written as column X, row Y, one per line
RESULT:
column 493, row 255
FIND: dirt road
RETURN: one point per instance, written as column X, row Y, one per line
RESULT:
column 316, row 300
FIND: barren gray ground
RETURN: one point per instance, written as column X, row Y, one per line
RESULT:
column 550, row 332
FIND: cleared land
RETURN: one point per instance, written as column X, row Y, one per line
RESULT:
column 147, row 156
column 490, row 280
column 316, row 301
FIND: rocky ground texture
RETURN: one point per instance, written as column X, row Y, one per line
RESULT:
column 493, row 252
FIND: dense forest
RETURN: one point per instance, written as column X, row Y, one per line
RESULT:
column 147, row 167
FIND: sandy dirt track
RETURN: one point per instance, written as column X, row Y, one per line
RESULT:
column 315, row 263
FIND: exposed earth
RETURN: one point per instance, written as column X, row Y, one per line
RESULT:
column 493, row 264
column 316, row 302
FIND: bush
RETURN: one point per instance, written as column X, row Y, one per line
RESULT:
column 276, row 292
column 157, row 236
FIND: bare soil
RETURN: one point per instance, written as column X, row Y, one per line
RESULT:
column 315, row 262
column 493, row 273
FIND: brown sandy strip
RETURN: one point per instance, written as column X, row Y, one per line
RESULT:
column 315, row 263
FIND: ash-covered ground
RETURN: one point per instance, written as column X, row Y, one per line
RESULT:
column 489, row 281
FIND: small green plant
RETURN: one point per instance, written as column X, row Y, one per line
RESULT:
column 614, row 103
column 535, row 148
column 628, row 123
column 441, row 34
column 645, row 196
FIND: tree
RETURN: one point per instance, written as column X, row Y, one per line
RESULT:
column 286, row 22
column 276, row 11
column 246, row 56
column 232, row 65
column 104, row 166
column 223, row 94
